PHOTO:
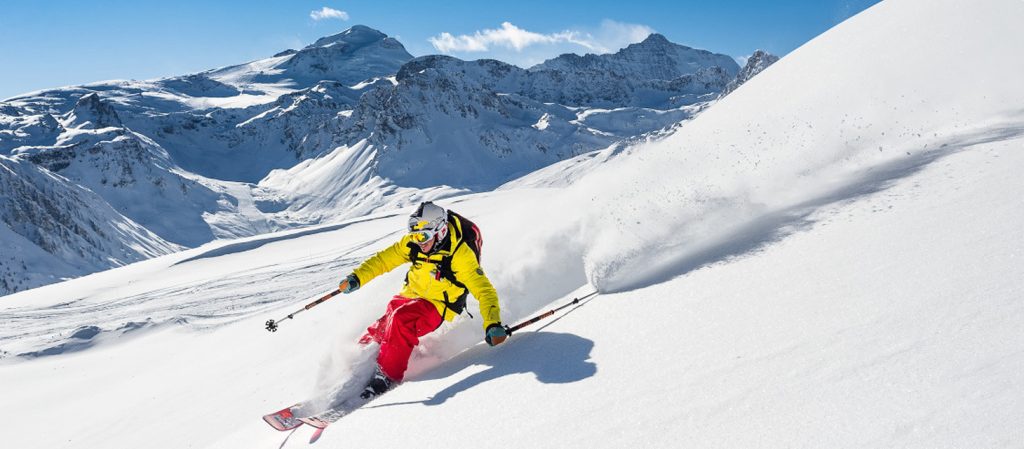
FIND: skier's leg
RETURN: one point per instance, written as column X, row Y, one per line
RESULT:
column 409, row 321
column 376, row 330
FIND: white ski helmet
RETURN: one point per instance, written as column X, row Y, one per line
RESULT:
column 429, row 221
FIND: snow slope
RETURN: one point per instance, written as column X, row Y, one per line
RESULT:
column 840, row 269
column 53, row 229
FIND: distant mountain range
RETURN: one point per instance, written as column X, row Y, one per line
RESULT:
column 105, row 174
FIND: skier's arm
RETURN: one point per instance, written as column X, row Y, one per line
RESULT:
column 383, row 261
column 468, row 271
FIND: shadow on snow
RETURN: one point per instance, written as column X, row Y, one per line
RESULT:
column 553, row 358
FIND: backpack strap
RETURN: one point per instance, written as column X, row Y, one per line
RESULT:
column 456, row 222
column 414, row 251
column 468, row 232
column 444, row 268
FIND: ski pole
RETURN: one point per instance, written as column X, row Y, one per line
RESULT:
column 509, row 330
column 272, row 324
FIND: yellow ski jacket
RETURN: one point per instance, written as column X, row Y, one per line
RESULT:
column 426, row 280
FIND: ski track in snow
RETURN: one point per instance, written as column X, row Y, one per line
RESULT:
column 52, row 330
column 254, row 243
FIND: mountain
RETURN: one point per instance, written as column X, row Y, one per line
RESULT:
column 654, row 73
column 346, row 126
column 54, row 229
column 355, row 55
column 169, row 154
column 475, row 125
column 237, row 110
column 99, row 153
column 756, row 63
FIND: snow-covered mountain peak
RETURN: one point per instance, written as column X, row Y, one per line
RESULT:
column 654, row 40
column 93, row 112
column 757, row 62
column 684, row 60
column 346, row 62
column 352, row 56
column 358, row 35
column 655, row 57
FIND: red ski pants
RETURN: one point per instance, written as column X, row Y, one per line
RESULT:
column 399, row 330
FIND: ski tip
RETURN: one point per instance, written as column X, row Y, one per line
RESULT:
column 281, row 424
column 316, row 435
column 282, row 420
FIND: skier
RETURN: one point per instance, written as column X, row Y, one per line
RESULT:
column 444, row 249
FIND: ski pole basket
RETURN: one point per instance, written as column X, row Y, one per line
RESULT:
column 272, row 325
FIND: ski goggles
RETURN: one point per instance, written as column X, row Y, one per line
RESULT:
column 422, row 231
column 422, row 236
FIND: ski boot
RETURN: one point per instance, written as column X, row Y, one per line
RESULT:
column 379, row 384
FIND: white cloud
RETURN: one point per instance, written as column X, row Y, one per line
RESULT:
column 610, row 36
column 328, row 13
column 526, row 48
column 509, row 36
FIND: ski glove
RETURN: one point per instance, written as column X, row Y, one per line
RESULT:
column 349, row 284
column 495, row 334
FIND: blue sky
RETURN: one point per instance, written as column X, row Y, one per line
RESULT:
column 55, row 43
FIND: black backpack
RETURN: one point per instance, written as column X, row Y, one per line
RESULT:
column 463, row 232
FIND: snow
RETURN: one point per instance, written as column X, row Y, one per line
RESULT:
column 244, row 73
column 314, row 187
column 239, row 101
column 542, row 122
column 828, row 257
column 363, row 84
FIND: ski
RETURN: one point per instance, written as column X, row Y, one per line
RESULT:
column 283, row 420
column 291, row 417
column 316, row 435
column 321, row 420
